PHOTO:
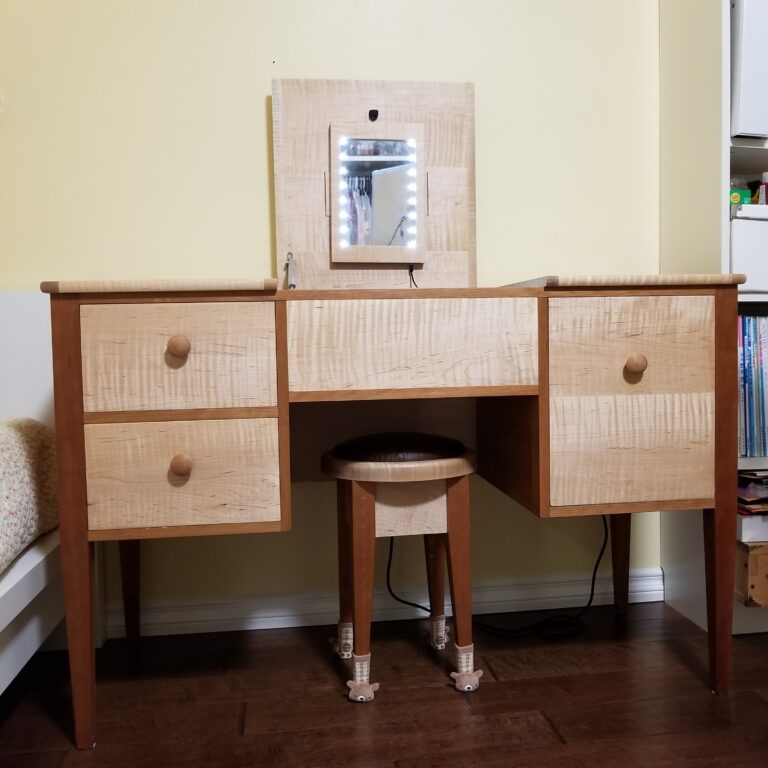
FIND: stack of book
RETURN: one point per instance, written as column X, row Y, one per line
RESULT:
column 753, row 383
column 752, row 520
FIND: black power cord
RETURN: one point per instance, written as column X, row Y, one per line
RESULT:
column 559, row 626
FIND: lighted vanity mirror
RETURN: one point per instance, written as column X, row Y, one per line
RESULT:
column 376, row 196
column 377, row 203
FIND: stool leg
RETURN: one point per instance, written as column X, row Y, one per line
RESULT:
column 363, row 528
column 460, row 579
column 342, row 644
column 434, row 551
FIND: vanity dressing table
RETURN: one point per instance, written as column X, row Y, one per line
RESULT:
column 592, row 396
column 187, row 408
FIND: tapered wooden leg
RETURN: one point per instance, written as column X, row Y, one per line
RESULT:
column 719, row 562
column 130, row 562
column 75, row 550
column 77, row 577
column 363, row 555
column 720, row 522
column 621, row 526
column 434, row 552
column 458, row 555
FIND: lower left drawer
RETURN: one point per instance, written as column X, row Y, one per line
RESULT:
column 176, row 473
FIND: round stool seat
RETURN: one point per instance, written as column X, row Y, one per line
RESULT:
column 398, row 457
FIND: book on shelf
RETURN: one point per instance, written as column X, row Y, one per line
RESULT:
column 751, row 528
column 752, row 506
column 753, row 475
column 752, row 493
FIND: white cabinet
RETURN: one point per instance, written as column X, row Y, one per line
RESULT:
column 749, row 50
column 749, row 247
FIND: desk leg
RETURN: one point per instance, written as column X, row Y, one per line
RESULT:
column 76, row 552
column 621, row 526
column 720, row 521
column 77, row 576
column 719, row 562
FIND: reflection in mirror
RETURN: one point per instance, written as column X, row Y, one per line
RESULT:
column 377, row 192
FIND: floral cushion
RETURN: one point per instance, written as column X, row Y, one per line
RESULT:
column 27, row 486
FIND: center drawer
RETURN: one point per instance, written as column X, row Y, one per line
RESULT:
column 178, row 356
column 409, row 346
column 157, row 474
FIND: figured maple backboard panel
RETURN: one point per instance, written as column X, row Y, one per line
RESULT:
column 303, row 112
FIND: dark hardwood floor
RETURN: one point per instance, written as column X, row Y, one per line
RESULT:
column 617, row 695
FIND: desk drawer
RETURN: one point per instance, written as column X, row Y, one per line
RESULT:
column 127, row 366
column 618, row 436
column 234, row 475
column 412, row 345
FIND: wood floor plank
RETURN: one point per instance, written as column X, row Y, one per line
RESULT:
column 357, row 742
column 324, row 709
column 653, row 717
column 152, row 755
column 743, row 746
column 573, row 658
column 33, row 760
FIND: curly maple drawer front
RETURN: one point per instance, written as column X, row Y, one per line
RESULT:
column 170, row 356
column 412, row 345
column 182, row 473
column 631, row 406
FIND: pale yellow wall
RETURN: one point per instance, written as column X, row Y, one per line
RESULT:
column 134, row 142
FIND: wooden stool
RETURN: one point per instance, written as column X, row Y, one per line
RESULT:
column 397, row 484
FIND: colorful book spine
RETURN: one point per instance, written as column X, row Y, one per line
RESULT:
column 749, row 353
column 742, row 431
column 753, row 386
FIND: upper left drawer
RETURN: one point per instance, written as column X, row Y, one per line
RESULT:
column 127, row 365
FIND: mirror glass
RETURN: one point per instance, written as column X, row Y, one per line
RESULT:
column 377, row 192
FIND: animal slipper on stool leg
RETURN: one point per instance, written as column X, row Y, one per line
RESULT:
column 360, row 690
column 343, row 642
column 438, row 632
column 467, row 679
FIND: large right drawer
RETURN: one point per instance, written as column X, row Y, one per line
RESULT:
column 620, row 437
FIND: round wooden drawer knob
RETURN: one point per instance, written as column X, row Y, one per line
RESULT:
column 179, row 345
column 636, row 363
column 181, row 465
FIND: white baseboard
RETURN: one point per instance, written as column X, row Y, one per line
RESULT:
column 307, row 609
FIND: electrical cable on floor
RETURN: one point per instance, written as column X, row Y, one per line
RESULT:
column 559, row 626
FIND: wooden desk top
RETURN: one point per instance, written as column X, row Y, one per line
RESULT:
column 270, row 285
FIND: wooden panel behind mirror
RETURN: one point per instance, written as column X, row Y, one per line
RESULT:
column 303, row 112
